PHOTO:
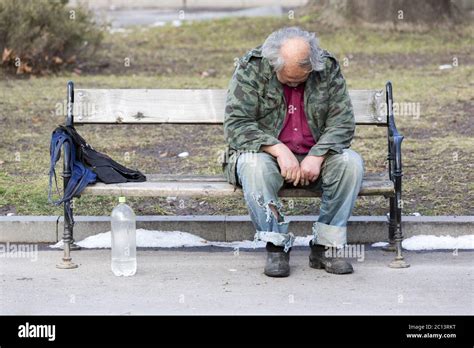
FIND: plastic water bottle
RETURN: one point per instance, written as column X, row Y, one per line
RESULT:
column 124, row 240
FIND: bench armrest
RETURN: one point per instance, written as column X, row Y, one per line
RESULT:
column 394, row 140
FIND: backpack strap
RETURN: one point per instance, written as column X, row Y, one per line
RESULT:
column 58, row 138
column 80, row 175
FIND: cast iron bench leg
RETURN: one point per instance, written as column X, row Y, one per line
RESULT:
column 392, row 225
column 396, row 173
column 66, row 262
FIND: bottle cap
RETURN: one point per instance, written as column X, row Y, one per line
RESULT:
column 121, row 199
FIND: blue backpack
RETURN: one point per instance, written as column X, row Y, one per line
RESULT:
column 81, row 176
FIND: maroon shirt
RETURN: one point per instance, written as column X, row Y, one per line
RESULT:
column 296, row 133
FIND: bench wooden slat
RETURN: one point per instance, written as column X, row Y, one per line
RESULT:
column 215, row 186
column 221, row 177
column 192, row 106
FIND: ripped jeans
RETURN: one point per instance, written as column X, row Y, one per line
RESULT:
column 340, row 181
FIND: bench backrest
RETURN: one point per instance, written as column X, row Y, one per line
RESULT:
column 189, row 106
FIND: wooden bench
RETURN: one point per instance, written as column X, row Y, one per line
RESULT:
column 206, row 106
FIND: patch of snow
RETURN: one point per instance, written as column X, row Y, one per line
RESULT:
column 145, row 238
column 172, row 239
column 379, row 244
column 445, row 66
column 118, row 30
column 429, row 242
column 58, row 245
column 183, row 154
column 245, row 244
column 177, row 239
column 158, row 24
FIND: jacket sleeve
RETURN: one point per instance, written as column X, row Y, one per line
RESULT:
column 241, row 129
column 340, row 123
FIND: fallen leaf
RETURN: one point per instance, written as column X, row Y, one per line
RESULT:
column 6, row 54
column 71, row 59
column 57, row 60
column 36, row 119
column 24, row 68
column 209, row 73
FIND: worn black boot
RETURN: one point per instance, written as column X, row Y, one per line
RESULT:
column 278, row 261
column 318, row 260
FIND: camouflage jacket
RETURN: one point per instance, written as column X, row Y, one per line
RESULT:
column 256, row 108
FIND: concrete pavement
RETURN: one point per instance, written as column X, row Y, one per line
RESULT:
column 221, row 281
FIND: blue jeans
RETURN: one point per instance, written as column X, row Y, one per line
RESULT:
column 340, row 180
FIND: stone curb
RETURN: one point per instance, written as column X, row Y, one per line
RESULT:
column 361, row 229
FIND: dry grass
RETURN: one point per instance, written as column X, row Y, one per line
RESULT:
column 437, row 149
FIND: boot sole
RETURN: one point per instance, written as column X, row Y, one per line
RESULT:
column 320, row 265
column 277, row 275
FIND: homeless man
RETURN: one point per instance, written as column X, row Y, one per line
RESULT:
column 289, row 122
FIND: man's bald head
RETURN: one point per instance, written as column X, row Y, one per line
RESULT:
column 293, row 53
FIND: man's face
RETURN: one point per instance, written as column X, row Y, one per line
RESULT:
column 293, row 75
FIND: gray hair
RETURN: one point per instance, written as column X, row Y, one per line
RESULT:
column 272, row 45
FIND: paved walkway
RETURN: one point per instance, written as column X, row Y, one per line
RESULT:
column 158, row 17
column 217, row 281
